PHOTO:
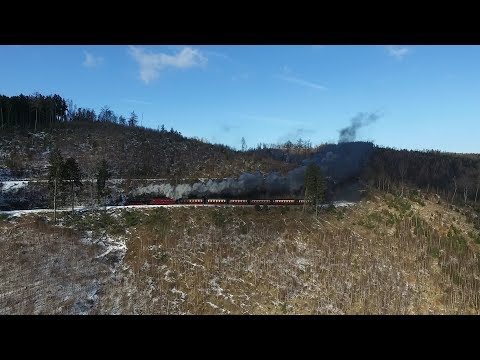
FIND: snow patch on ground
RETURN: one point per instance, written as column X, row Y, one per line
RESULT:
column 16, row 213
column 88, row 238
column 13, row 185
column 215, row 287
column 115, row 247
column 212, row 305
column 343, row 203
column 181, row 293
column 302, row 263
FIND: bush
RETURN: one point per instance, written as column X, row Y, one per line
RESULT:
column 374, row 217
column 131, row 218
column 435, row 252
column 3, row 217
column 457, row 239
column 284, row 209
column 244, row 229
column 157, row 216
column 258, row 207
column 416, row 198
column 331, row 208
column 391, row 219
column 218, row 218
column 475, row 237
column 340, row 215
column 402, row 205
column 367, row 224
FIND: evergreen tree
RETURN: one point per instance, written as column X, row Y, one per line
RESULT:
column 244, row 144
column 133, row 120
column 55, row 177
column 107, row 115
column 314, row 185
column 102, row 176
column 72, row 175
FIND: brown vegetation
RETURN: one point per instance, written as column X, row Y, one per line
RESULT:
column 386, row 255
column 131, row 152
column 47, row 270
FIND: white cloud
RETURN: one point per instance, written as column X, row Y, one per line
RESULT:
column 91, row 60
column 302, row 82
column 397, row 52
column 152, row 63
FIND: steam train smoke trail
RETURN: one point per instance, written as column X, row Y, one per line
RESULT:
column 360, row 120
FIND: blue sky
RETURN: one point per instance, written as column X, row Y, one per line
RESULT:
column 426, row 97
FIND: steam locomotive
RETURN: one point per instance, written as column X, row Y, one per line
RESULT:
column 206, row 201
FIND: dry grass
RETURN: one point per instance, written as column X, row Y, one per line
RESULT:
column 248, row 262
column 46, row 270
column 383, row 256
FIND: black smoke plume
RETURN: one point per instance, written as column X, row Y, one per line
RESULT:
column 338, row 162
column 349, row 133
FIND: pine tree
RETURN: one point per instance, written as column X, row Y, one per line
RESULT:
column 107, row 115
column 71, row 174
column 54, row 177
column 314, row 185
column 133, row 120
column 102, row 176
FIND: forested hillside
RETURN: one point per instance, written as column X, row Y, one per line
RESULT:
column 456, row 177
column 31, row 126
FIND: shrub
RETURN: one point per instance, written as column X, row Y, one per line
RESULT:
column 475, row 237
column 284, row 209
column 218, row 218
column 340, row 215
column 435, row 252
column 244, row 229
column 374, row 217
column 157, row 216
column 131, row 218
column 331, row 208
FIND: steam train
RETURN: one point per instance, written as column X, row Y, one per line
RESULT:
column 206, row 201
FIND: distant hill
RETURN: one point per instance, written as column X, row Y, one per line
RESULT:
column 455, row 176
column 32, row 126
column 130, row 151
